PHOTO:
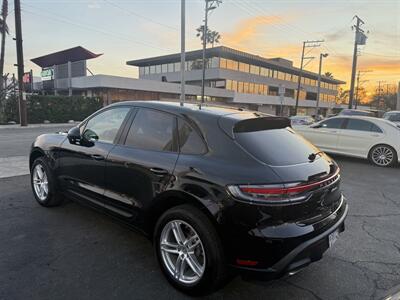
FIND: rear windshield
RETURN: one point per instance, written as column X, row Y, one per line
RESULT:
column 276, row 147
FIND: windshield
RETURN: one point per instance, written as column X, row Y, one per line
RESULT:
column 276, row 147
column 393, row 117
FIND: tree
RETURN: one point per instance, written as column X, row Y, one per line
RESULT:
column 342, row 96
column 212, row 36
column 4, row 31
column 328, row 74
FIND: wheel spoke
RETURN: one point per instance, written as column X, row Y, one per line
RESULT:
column 193, row 242
column 169, row 247
column 194, row 265
column 178, row 233
column 179, row 267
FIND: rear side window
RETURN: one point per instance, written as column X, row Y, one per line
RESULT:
column 362, row 125
column 152, row 130
column 190, row 141
column 332, row 123
column 277, row 147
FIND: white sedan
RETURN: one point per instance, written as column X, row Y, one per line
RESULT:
column 366, row 137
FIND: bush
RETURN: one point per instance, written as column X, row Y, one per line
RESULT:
column 60, row 109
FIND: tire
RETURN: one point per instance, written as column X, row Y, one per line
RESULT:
column 211, row 265
column 383, row 156
column 48, row 196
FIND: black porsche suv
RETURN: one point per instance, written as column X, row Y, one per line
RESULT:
column 216, row 189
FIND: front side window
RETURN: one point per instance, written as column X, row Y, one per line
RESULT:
column 152, row 130
column 332, row 123
column 362, row 125
column 190, row 141
column 104, row 126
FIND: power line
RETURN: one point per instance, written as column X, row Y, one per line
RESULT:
column 94, row 29
column 124, row 9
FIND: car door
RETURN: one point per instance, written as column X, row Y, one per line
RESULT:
column 82, row 165
column 141, row 166
column 358, row 136
column 325, row 134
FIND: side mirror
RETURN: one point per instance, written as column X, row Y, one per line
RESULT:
column 316, row 126
column 74, row 135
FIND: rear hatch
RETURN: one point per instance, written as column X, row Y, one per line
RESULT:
column 309, row 189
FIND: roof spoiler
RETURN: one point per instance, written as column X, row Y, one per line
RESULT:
column 263, row 123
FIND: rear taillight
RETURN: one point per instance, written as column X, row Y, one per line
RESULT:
column 280, row 193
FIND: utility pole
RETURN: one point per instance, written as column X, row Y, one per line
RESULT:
column 322, row 55
column 210, row 5
column 359, row 39
column 359, row 74
column 380, row 99
column 183, row 58
column 20, row 63
column 306, row 44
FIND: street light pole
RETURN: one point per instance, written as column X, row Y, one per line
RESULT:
column 203, row 76
column 183, row 58
column 322, row 55
column 210, row 5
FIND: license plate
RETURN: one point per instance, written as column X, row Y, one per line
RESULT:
column 333, row 237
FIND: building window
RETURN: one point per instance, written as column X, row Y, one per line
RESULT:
column 147, row 70
column 177, row 67
column 263, row 71
column 265, row 89
column 228, row 84
column 245, row 87
column 240, row 87
column 295, row 78
column 254, row 70
column 234, row 85
column 244, row 67
column 171, row 68
column 272, row 73
column 141, row 71
column 231, row 64
column 158, row 69
column 164, row 68
column 311, row 96
column 251, row 88
column 222, row 63
column 273, row 90
column 289, row 93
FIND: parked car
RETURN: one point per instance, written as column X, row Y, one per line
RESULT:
column 393, row 116
column 302, row 120
column 215, row 189
column 366, row 137
column 355, row 112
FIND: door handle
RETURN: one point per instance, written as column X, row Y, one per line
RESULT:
column 97, row 157
column 159, row 172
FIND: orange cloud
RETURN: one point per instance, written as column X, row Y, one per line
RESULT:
column 247, row 29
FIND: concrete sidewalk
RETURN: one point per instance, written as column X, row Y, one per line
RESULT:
column 15, row 144
column 14, row 166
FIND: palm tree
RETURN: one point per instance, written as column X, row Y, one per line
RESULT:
column 4, row 32
column 329, row 75
column 212, row 37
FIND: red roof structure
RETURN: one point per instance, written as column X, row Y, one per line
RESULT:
column 64, row 56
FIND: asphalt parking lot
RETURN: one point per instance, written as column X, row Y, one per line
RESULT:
column 72, row 252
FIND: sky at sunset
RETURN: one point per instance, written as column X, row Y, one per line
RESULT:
column 125, row 30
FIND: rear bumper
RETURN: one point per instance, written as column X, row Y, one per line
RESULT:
column 302, row 255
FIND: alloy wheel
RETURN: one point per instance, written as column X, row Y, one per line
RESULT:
column 182, row 252
column 382, row 156
column 40, row 182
